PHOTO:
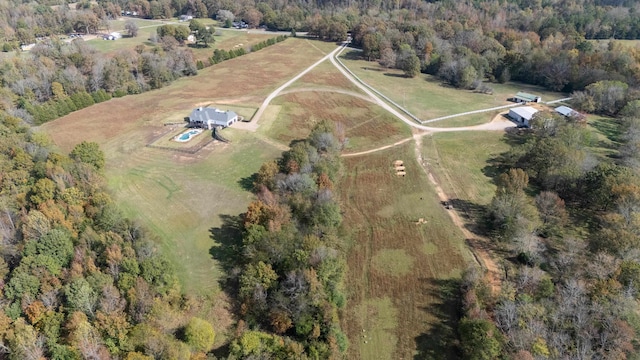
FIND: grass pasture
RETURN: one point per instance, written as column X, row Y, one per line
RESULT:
column 461, row 161
column 398, row 270
column 180, row 197
column 325, row 76
column 466, row 120
column 367, row 125
column 427, row 97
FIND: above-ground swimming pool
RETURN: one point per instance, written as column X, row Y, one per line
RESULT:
column 187, row 135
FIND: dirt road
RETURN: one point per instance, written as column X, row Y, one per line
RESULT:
column 476, row 244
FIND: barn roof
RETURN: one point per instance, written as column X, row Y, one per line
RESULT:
column 526, row 96
column 525, row 112
column 566, row 111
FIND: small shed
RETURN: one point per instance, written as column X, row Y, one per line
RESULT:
column 566, row 111
column 522, row 114
column 523, row 97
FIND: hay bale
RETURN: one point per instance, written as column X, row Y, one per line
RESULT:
column 401, row 173
column 399, row 168
column 398, row 163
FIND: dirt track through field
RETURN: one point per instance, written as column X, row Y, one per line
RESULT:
column 480, row 252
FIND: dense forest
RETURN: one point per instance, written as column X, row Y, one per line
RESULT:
column 292, row 257
column 80, row 281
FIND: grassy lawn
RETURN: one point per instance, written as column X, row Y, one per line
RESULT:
column 607, row 134
column 180, row 197
column 461, row 162
column 398, row 270
column 427, row 97
column 366, row 125
column 466, row 120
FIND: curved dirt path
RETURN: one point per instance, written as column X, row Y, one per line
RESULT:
column 277, row 91
column 377, row 149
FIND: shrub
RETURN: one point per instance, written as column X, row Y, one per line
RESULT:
column 199, row 334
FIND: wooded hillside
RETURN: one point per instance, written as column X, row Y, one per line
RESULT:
column 78, row 280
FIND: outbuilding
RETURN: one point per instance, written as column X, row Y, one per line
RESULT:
column 523, row 97
column 210, row 118
column 566, row 111
column 522, row 114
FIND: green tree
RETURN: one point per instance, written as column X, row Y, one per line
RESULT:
column 89, row 153
column 480, row 339
column 81, row 296
column 42, row 191
column 199, row 334
column 203, row 34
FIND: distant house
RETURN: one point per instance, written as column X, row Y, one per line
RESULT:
column 113, row 36
column 210, row 118
column 523, row 97
column 522, row 114
column 185, row 17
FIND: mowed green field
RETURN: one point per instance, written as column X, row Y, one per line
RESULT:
column 465, row 120
column 400, row 273
column 181, row 196
column 461, row 162
column 427, row 97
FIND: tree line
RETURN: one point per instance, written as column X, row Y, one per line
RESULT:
column 568, row 218
column 291, row 262
column 78, row 280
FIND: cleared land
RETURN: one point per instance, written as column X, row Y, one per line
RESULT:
column 366, row 125
column 401, row 274
column 225, row 39
column 461, row 162
column 427, row 97
column 181, row 197
column 325, row 76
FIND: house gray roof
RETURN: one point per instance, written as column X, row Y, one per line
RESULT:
column 207, row 115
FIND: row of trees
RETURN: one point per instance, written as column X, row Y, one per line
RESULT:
column 292, row 259
column 78, row 280
column 220, row 55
